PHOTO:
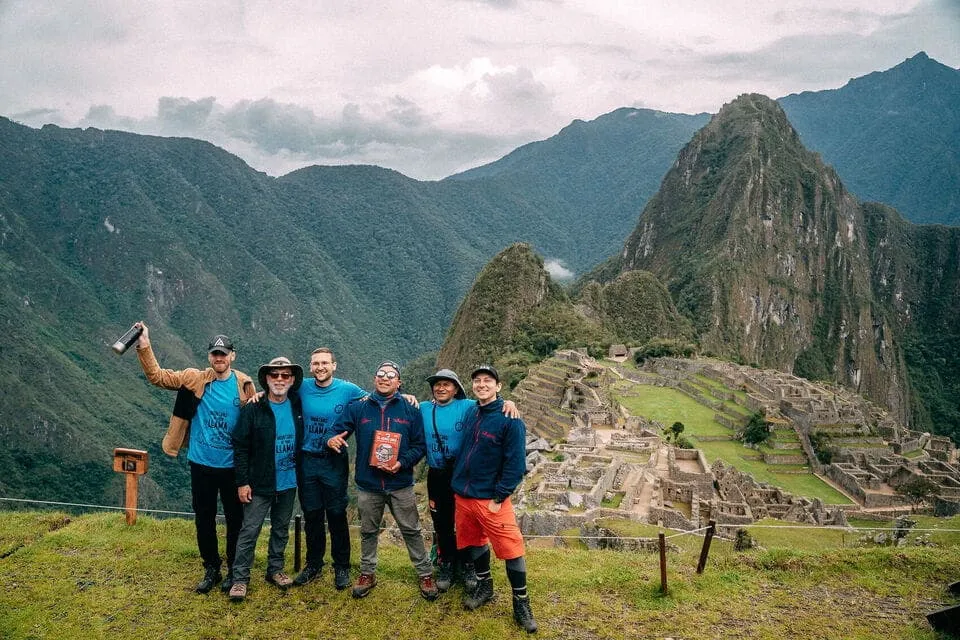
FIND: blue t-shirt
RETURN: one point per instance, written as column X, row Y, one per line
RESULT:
column 451, row 420
column 213, row 424
column 322, row 407
column 286, row 445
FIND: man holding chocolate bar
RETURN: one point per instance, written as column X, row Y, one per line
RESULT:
column 390, row 442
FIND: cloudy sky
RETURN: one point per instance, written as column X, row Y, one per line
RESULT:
column 429, row 87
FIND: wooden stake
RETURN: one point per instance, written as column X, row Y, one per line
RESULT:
column 711, row 529
column 663, row 563
column 132, row 485
column 133, row 463
column 296, row 542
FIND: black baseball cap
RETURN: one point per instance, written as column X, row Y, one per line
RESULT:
column 485, row 368
column 220, row 343
column 389, row 363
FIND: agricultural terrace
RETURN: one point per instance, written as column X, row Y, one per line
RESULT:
column 667, row 405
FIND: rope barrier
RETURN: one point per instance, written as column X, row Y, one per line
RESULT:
column 687, row 533
column 532, row 536
column 98, row 506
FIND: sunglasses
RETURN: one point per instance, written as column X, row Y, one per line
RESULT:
column 389, row 375
column 282, row 375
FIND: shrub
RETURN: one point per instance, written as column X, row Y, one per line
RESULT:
column 660, row 348
column 821, row 447
column 756, row 431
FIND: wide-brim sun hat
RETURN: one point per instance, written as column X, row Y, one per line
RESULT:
column 448, row 374
column 280, row 362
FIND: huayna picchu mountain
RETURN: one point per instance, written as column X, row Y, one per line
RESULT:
column 776, row 264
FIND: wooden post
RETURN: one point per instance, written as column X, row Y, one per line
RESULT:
column 133, row 463
column 711, row 529
column 663, row 562
column 296, row 542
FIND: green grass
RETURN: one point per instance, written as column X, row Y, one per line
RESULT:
column 95, row 577
column 614, row 502
column 667, row 405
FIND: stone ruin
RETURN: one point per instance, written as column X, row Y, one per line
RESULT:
column 588, row 459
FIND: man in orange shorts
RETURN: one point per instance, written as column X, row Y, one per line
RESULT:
column 489, row 467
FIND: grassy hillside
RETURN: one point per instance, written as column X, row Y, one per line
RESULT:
column 94, row 577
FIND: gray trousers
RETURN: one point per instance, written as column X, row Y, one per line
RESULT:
column 280, row 508
column 403, row 507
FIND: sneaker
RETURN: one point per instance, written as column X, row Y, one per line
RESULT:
column 428, row 588
column 210, row 579
column 469, row 577
column 238, row 591
column 444, row 576
column 280, row 579
column 309, row 574
column 523, row 616
column 480, row 596
column 365, row 583
column 341, row 578
column 227, row 582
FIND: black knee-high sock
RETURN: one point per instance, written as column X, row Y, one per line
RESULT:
column 517, row 575
column 481, row 564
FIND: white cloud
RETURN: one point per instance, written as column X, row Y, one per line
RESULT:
column 432, row 87
column 556, row 269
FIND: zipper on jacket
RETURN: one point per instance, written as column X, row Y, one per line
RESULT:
column 476, row 440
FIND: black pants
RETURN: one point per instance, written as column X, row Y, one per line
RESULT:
column 323, row 498
column 440, row 496
column 205, row 484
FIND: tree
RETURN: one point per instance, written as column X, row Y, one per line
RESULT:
column 756, row 430
column 676, row 428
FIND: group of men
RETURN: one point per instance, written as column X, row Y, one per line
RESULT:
column 257, row 451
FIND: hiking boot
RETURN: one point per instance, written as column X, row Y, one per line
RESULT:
column 309, row 574
column 238, row 591
column 444, row 576
column 341, row 578
column 480, row 596
column 211, row 577
column 365, row 583
column 522, row 614
column 469, row 577
column 227, row 582
column 428, row 588
column 280, row 579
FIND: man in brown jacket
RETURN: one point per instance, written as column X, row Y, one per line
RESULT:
column 204, row 416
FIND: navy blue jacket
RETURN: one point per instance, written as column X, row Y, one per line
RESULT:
column 362, row 418
column 493, row 455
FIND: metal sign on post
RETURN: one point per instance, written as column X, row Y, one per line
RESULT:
column 132, row 463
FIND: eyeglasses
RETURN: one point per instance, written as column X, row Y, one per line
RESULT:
column 283, row 375
column 389, row 375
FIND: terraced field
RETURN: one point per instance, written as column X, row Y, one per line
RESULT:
column 667, row 405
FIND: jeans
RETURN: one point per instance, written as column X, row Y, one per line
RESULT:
column 280, row 508
column 403, row 507
column 323, row 498
column 441, row 500
column 205, row 484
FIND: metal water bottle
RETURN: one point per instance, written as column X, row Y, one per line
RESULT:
column 123, row 342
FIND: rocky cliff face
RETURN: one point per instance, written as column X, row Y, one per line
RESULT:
column 915, row 275
column 765, row 251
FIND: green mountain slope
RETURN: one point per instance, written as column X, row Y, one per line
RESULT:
column 893, row 136
column 595, row 176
